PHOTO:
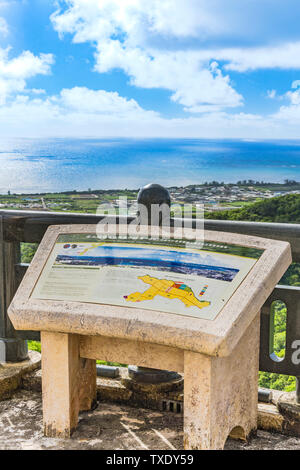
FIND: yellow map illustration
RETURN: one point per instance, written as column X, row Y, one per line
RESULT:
column 169, row 289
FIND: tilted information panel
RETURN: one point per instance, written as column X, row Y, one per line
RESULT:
column 161, row 275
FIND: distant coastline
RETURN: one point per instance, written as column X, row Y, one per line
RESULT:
column 215, row 196
column 286, row 186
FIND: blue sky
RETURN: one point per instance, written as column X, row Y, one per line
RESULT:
column 131, row 68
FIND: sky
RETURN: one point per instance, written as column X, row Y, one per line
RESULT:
column 150, row 68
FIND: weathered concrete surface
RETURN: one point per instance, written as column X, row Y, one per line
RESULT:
column 69, row 383
column 107, row 427
column 11, row 374
column 124, row 392
column 217, row 398
column 111, row 427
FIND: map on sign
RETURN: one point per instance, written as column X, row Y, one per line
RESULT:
column 156, row 275
column 168, row 289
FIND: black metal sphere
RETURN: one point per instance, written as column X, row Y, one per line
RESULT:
column 153, row 194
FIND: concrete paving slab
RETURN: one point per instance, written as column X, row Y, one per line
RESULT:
column 109, row 427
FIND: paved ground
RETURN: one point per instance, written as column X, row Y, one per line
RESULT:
column 110, row 427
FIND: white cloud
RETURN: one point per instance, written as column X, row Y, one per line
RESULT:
column 296, row 84
column 184, row 46
column 80, row 112
column 171, row 44
column 290, row 114
column 14, row 72
column 84, row 100
column 271, row 94
column 94, row 20
column 283, row 56
column 294, row 97
column 76, row 112
column 37, row 91
column 183, row 73
column 250, row 22
column 134, row 36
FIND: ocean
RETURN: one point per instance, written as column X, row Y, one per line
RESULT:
column 53, row 165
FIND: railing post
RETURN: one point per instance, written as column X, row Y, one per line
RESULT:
column 268, row 362
column 298, row 390
column 12, row 348
column 148, row 196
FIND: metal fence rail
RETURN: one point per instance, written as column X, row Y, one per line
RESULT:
column 30, row 227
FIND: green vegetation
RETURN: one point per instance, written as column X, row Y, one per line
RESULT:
column 34, row 346
column 288, row 185
column 292, row 276
column 284, row 209
column 27, row 251
column 71, row 201
column 239, row 204
column 108, row 363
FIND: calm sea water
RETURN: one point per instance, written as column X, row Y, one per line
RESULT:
column 66, row 164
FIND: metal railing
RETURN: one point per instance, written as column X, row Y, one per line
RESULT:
column 30, row 227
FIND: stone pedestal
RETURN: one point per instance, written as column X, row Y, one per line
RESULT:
column 220, row 393
column 68, row 381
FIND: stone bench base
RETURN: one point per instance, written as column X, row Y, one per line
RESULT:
column 220, row 393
